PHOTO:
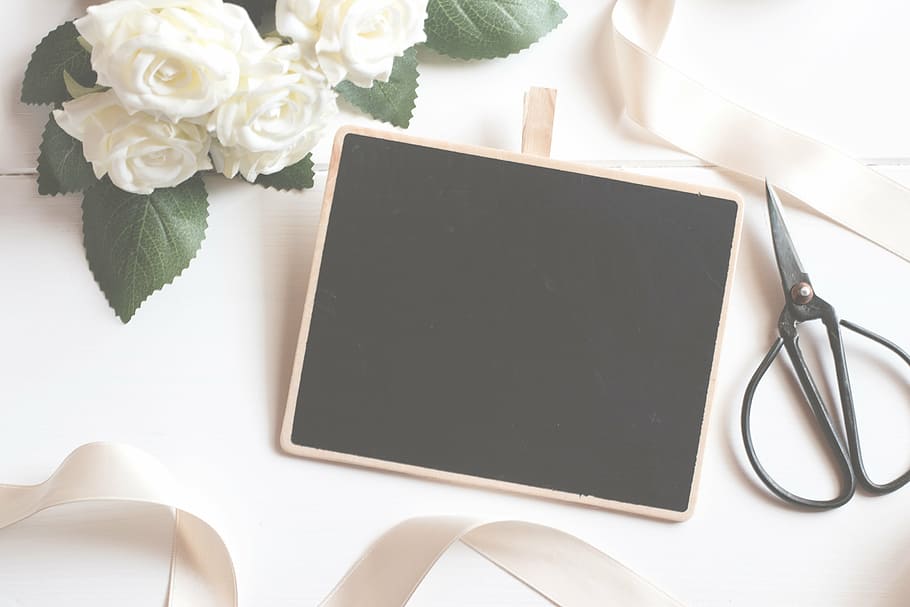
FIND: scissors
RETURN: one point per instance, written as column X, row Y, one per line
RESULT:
column 803, row 305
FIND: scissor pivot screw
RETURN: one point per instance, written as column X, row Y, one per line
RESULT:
column 802, row 293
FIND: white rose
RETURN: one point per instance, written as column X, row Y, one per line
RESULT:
column 276, row 118
column 233, row 161
column 173, row 58
column 299, row 20
column 139, row 152
column 356, row 40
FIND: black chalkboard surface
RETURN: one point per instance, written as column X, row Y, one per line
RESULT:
column 512, row 321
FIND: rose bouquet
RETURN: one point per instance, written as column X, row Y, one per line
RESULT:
column 150, row 94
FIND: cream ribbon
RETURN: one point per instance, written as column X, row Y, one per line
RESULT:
column 202, row 573
column 686, row 114
column 560, row 567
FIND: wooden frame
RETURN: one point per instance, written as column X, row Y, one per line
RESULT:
column 534, row 160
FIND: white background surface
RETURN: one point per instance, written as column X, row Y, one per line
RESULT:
column 199, row 377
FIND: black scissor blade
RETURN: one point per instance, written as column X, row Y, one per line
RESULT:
column 788, row 263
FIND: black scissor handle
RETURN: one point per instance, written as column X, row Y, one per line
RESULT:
column 810, row 390
column 843, row 380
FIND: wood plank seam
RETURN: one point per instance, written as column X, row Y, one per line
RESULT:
column 611, row 163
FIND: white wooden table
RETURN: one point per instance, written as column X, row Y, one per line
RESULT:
column 198, row 378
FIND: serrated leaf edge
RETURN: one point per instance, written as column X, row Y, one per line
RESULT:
column 205, row 229
column 41, row 152
column 410, row 109
column 565, row 14
column 31, row 59
column 278, row 189
column 413, row 105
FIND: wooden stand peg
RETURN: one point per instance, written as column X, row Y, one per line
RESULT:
column 537, row 132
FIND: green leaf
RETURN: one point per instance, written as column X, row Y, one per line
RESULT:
column 84, row 44
column 62, row 167
column 483, row 29
column 76, row 90
column 295, row 177
column 136, row 244
column 59, row 52
column 257, row 9
column 391, row 101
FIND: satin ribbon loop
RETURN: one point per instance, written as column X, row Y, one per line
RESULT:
column 560, row 567
column 556, row 565
column 693, row 118
column 201, row 571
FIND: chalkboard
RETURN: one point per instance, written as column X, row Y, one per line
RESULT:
column 514, row 322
